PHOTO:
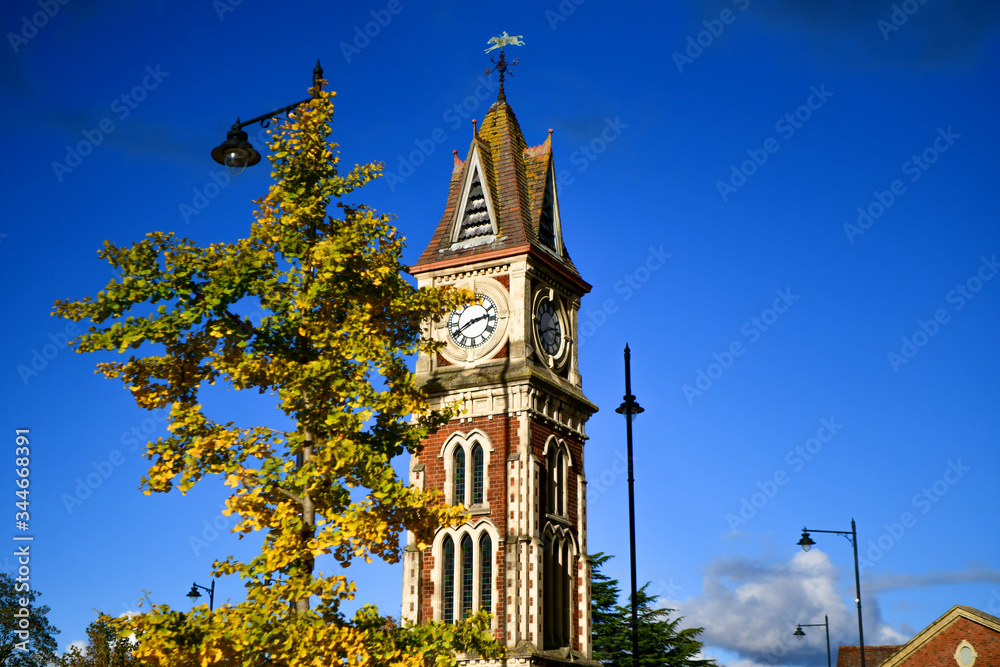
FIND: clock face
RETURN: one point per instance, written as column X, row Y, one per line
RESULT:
column 472, row 326
column 549, row 328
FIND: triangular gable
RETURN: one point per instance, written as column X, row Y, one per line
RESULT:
column 934, row 629
column 475, row 220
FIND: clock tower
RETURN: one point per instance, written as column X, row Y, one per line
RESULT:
column 514, row 456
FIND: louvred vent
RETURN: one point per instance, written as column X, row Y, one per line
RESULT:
column 546, row 222
column 476, row 219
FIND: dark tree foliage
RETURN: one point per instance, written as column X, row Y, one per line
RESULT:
column 661, row 642
column 20, row 646
column 104, row 649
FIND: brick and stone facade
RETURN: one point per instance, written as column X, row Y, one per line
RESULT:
column 514, row 455
column 963, row 637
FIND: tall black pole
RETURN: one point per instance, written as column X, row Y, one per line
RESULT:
column 629, row 400
column 806, row 543
column 857, row 588
column 826, row 623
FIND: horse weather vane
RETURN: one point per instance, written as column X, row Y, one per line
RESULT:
column 502, row 65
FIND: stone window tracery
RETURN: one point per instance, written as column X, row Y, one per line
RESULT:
column 466, row 459
column 465, row 572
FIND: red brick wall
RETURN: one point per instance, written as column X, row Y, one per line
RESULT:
column 940, row 651
column 540, row 433
column 502, row 432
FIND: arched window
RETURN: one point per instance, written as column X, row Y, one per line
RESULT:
column 466, row 576
column 555, row 462
column 459, row 470
column 558, row 593
column 466, row 564
column 486, row 573
column 550, row 487
column 477, row 474
column 560, row 488
column 448, row 583
column 566, row 594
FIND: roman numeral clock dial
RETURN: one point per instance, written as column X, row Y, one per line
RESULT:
column 472, row 326
column 550, row 331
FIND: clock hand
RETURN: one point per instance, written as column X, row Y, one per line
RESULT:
column 472, row 321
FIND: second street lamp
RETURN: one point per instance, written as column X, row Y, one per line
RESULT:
column 194, row 594
column 807, row 543
column 798, row 634
column 630, row 408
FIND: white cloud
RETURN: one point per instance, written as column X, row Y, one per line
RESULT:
column 80, row 644
column 751, row 609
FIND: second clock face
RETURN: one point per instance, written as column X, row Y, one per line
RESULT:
column 549, row 327
column 473, row 325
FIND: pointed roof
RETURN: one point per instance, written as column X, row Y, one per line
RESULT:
column 514, row 179
column 957, row 615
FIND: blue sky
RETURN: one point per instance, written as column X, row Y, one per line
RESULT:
column 786, row 208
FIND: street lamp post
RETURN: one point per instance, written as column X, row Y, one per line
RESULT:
column 825, row 624
column 630, row 408
column 235, row 152
column 806, row 543
column 194, row 594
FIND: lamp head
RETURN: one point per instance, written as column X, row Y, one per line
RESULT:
column 193, row 593
column 798, row 632
column 235, row 152
column 806, row 542
column 636, row 408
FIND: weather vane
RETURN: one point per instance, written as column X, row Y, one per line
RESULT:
column 502, row 65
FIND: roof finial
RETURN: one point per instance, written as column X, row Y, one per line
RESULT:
column 475, row 130
column 502, row 65
column 317, row 76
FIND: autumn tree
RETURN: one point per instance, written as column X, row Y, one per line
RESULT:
column 662, row 643
column 338, row 321
column 26, row 636
column 105, row 648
